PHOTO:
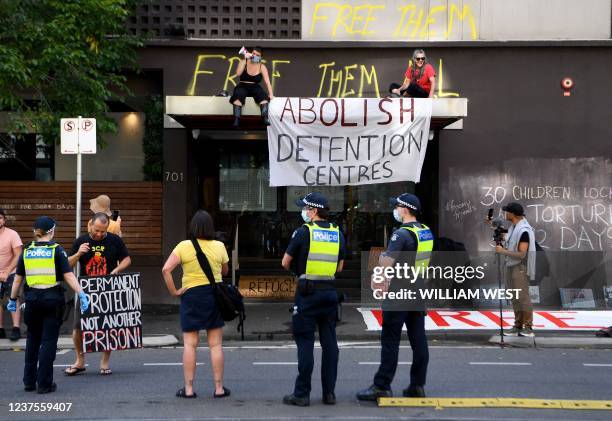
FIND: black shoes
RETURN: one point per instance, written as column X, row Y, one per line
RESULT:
column 15, row 334
column 414, row 392
column 374, row 392
column 29, row 388
column 43, row 390
column 329, row 398
column 264, row 114
column 294, row 400
column 237, row 114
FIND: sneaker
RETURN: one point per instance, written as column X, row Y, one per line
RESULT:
column 372, row 393
column 512, row 332
column 15, row 334
column 528, row 332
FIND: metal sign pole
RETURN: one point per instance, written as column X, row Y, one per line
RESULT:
column 79, row 173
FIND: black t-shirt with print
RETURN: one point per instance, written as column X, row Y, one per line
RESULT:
column 103, row 256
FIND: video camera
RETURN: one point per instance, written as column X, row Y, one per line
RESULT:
column 500, row 230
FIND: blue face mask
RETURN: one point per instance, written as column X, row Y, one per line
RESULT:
column 256, row 59
column 397, row 216
column 305, row 216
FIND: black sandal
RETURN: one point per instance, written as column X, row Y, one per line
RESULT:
column 181, row 394
column 225, row 394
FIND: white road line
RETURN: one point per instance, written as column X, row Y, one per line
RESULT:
column 274, row 363
column 63, row 351
column 166, row 364
column 66, row 365
column 496, row 363
column 597, row 365
column 378, row 362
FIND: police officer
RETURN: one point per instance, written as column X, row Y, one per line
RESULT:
column 315, row 254
column 417, row 239
column 43, row 264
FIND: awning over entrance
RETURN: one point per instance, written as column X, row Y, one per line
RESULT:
column 210, row 112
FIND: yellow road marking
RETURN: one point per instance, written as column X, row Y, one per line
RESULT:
column 496, row 403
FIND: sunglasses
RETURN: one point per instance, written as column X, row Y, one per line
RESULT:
column 420, row 58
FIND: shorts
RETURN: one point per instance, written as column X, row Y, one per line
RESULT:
column 254, row 90
column 7, row 286
column 199, row 310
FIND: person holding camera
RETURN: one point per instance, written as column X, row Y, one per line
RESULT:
column 10, row 250
column 411, row 243
column 419, row 79
column 102, row 204
column 198, row 306
column 43, row 264
column 520, row 264
column 251, row 72
column 315, row 254
column 99, row 253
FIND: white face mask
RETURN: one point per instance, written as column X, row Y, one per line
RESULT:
column 397, row 216
column 305, row 216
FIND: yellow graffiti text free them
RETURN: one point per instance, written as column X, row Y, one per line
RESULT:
column 414, row 22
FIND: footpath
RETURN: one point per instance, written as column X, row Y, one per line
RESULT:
column 271, row 322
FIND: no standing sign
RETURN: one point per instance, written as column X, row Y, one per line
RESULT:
column 78, row 138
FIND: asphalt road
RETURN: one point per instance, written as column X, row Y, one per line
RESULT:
column 144, row 383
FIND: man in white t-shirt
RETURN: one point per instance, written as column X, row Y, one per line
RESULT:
column 10, row 250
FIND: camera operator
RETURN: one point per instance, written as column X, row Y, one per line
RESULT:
column 520, row 267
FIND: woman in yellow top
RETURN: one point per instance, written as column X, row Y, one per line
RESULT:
column 198, row 308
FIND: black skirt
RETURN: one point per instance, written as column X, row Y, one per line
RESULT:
column 199, row 309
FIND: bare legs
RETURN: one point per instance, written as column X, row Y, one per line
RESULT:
column 215, row 343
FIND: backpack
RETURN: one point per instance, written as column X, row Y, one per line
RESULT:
column 542, row 264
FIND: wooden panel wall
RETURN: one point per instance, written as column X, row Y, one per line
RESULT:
column 140, row 205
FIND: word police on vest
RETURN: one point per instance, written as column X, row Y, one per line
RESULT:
column 325, row 236
column 39, row 253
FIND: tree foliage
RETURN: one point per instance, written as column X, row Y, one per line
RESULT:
column 63, row 58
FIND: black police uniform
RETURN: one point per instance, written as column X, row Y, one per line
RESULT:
column 44, row 310
column 402, row 240
column 319, row 309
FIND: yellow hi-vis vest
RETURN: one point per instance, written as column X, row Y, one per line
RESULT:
column 424, row 238
column 323, row 252
column 39, row 262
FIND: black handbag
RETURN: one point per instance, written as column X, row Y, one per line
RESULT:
column 228, row 298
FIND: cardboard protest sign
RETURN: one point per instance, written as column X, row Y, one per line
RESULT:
column 114, row 318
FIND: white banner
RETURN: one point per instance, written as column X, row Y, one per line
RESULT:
column 347, row 141
column 490, row 320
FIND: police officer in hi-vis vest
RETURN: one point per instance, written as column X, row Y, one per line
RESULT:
column 315, row 254
column 43, row 264
column 410, row 244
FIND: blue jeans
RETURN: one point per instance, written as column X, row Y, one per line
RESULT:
column 393, row 321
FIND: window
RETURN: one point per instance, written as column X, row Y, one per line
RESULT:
column 26, row 157
column 244, row 183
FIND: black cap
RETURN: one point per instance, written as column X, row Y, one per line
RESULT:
column 313, row 200
column 514, row 208
column 45, row 224
column 406, row 200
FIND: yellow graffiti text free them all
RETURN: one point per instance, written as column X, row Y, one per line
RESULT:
column 336, row 81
